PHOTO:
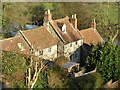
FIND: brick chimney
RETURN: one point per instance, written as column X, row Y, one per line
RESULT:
column 47, row 15
column 93, row 24
column 47, row 18
column 73, row 20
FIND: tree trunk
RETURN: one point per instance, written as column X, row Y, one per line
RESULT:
column 115, row 36
column 32, row 82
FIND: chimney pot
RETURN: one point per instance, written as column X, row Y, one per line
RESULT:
column 93, row 24
column 74, row 16
column 48, row 11
column 94, row 21
column 73, row 20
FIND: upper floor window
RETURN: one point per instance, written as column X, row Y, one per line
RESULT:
column 76, row 42
column 76, row 55
column 49, row 49
column 62, row 27
column 40, row 52
column 70, row 44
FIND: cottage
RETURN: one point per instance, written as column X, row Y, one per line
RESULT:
column 55, row 38
column 66, row 33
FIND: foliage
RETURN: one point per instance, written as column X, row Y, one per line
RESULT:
column 93, row 80
column 61, row 60
column 53, row 77
column 106, row 59
column 16, row 16
column 14, row 68
column 106, row 14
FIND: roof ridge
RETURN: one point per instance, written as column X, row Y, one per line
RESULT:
column 32, row 29
column 60, row 19
column 7, row 38
column 86, row 29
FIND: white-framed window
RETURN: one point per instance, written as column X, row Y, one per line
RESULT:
column 64, row 28
column 70, row 44
column 76, row 43
column 36, row 53
column 40, row 52
column 20, row 46
column 49, row 49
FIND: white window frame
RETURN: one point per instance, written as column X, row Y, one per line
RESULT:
column 71, row 45
column 76, row 43
column 40, row 52
column 64, row 28
column 49, row 49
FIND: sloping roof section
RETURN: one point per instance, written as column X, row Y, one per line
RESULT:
column 71, row 34
column 15, row 43
column 69, row 64
column 39, row 38
column 91, row 36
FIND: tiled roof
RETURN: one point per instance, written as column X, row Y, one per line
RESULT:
column 71, row 34
column 90, row 36
column 10, row 44
column 39, row 38
column 111, row 84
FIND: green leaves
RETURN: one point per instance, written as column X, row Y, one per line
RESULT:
column 13, row 69
column 107, row 59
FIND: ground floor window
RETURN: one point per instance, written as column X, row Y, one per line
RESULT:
column 76, row 55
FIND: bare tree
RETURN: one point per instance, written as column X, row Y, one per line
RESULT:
column 30, row 81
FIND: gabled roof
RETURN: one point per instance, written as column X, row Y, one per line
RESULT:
column 39, row 38
column 71, row 34
column 11, row 44
column 90, row 36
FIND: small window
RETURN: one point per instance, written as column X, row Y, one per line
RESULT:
column 76, row 55
column 70, row 44
column 36, row 53
column 64, row 28
column 49, row 50
column 41, row 52
column 76, row 43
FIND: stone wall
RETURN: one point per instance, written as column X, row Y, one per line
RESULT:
column 71, row 51
column 60, row 44
column 81, row 73
column 48, row 53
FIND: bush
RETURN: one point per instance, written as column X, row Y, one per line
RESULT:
column 61, row 60
column 14, row 68
column 106, row 59
column 93, row 80
column 53, row 77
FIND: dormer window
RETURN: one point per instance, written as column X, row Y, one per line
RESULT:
column 62, row 27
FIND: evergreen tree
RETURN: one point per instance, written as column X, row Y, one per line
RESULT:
column 106, row 59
